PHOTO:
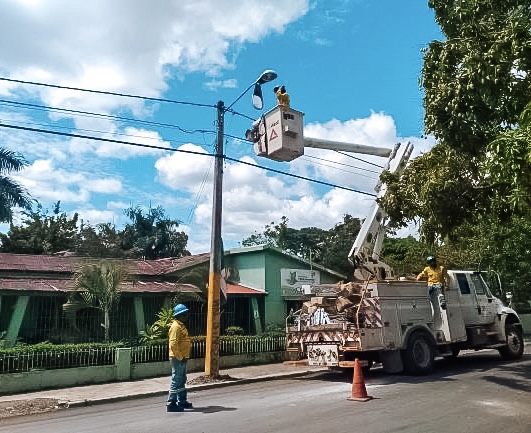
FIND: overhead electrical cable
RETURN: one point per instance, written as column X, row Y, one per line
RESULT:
column 109, row 140
column 103, row 92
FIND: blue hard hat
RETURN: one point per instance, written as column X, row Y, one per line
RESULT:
column 430, row 258
column 178, row 309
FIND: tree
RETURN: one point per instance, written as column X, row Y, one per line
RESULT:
column 103, row 240
column 328, row 248
column 508, row 163
column 12, row 194
column 42, row 233
column 153, row 236
column 477, row 81
column 339, row 241
column 98, row 284
column 476, row 84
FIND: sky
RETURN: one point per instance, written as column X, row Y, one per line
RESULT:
column 351, row 66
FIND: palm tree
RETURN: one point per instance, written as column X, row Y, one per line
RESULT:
column 12, row 194
column 98, row 284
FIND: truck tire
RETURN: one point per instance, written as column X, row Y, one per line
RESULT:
column 514, row 345
column 419, row 355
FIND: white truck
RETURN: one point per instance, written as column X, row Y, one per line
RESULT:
column 381, row 318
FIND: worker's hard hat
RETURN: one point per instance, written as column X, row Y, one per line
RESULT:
column 430, row 258
column 179, row 309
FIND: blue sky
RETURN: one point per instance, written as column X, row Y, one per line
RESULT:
column 352, row 67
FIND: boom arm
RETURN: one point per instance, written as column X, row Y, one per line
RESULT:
column 365, row 253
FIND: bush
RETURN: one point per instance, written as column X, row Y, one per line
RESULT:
column 234, row 331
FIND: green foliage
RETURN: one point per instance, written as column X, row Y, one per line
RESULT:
column 42, row 233
column 328, row 248
column 158, row 330
column 153, row 235
column 508, row 162
column 197, row 276
column 234, row 331
column 407, row 256
column 12, row 194
column 442, row 188
column 477, row 81
column 150, row 236
column 98, row 285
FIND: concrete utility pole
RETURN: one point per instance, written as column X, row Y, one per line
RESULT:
column 214, row 277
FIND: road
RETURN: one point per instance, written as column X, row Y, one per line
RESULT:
column 475, row 393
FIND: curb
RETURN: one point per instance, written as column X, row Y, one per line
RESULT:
column 199, row 387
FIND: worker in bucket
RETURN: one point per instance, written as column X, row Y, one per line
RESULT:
column 437, row 278
column 180, row 346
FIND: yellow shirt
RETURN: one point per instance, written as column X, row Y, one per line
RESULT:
column 434, row 275
column 179, row 341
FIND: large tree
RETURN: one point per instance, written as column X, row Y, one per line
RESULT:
column 477, row 84
column 42, row 233
column 12, row 194
column 477, row 81
column 153, row 235
column 328, row 248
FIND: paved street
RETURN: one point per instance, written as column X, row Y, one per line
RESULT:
column 475, row 393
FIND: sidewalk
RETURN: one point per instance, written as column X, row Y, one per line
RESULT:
column 158, row 386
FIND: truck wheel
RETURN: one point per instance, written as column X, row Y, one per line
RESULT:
column 419, row 355
column 514, row 346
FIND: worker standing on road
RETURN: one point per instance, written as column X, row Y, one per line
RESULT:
column 180, row 346
column 437, row 278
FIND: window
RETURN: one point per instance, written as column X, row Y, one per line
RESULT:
column 463, row 284
column 478, row 284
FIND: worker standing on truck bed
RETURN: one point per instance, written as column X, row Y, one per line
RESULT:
column 437, row 277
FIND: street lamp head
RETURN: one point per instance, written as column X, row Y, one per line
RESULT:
column 267, row 76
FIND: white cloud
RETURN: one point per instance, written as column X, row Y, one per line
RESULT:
column 141, row 47
column 47, row 183
column 128, row 45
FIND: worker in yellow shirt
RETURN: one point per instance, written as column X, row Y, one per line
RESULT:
column 437, row 279
column 180, row 346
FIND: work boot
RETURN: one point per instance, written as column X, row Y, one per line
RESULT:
column 185, row 405
column 172, row 407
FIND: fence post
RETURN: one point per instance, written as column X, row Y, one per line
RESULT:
column 123, row 363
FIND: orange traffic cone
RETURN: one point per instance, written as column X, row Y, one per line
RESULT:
column 359, row 393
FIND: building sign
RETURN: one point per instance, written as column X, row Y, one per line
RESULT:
column 297, row 282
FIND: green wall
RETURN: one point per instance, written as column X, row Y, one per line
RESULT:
column 259, row 268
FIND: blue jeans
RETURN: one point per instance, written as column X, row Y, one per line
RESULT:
column 178, row 381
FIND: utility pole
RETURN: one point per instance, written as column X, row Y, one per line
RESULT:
column 214, row 277
column 216, row 253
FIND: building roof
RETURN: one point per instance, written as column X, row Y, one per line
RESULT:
column 276, row 250
column 67, row 285
column 69, row 264
column 238, row 289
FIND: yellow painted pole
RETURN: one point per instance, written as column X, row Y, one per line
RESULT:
column 214, row 277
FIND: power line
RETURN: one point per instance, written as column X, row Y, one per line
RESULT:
column 341, row 163
column 149, row 146
column 360, row 159
column 102, row 92
column 105, row 116
column 124, row 95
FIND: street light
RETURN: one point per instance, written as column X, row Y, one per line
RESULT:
column 214, row 277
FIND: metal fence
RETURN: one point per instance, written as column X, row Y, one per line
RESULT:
column 13, row 362
column 49, row 359
column 232, row 346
